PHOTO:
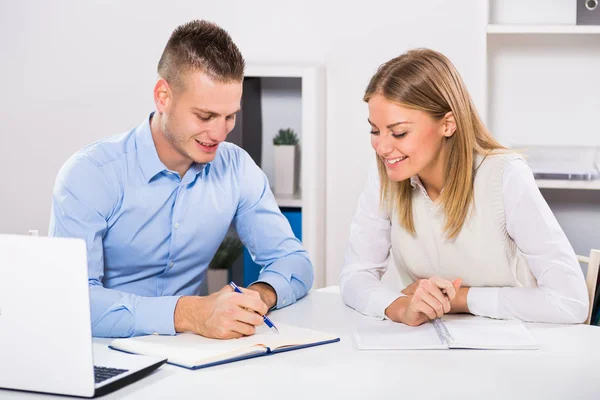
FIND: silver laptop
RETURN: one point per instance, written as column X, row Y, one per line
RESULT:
column 45, row 324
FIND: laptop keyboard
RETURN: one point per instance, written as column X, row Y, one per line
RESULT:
column 103, row 373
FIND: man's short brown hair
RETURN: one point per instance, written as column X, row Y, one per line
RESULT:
column 201, row 46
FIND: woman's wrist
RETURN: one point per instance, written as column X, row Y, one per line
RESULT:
column 395, row 311
column 459, row 304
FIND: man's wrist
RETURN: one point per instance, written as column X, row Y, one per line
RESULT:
column 184, row 313
column 267, row 294
column 179, row 321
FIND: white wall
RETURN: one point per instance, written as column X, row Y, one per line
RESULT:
column 75, row 71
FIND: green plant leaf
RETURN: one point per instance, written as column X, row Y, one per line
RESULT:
column 229, row 250
column 285, row 137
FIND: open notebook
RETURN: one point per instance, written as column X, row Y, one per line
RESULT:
column 449, row 332
column 193, row 351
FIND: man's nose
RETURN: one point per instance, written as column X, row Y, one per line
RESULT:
column 219, row 133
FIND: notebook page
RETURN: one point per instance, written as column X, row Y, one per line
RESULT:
column 289, row 336
column 189, row 349
column 373, row 334
column 471, row 332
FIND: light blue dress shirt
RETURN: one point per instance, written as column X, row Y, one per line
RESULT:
column 151, row 234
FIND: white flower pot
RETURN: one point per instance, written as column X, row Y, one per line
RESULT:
column 216, row 279
column 284, row 166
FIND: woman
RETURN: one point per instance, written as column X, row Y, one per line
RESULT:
column 462, row 215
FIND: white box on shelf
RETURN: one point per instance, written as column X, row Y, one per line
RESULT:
column 284, row 166
column 532, row 12
column 562, row 162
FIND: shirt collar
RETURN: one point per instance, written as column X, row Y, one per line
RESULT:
column 146, row 150
column 148, row 156
column 416, row 182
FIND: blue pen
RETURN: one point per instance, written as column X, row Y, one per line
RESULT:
column 268, row 322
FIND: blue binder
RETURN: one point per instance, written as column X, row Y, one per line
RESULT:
column 252, row 269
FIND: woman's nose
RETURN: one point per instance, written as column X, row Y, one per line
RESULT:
column 384, row 145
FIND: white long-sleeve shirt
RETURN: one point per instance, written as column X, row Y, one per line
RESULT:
column 560, row 295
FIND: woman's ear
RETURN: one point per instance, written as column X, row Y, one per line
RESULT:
column 449, row 124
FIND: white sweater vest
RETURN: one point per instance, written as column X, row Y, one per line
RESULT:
column 483, row 254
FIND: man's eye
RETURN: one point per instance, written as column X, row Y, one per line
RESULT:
column 201, row 118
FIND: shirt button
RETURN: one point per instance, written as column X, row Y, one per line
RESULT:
column 284, row 301
column 177, row 225
column 171, row 265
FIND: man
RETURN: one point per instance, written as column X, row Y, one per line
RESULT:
column 154, row 203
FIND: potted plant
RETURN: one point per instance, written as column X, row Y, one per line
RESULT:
column 285, row 161
column 217, row 275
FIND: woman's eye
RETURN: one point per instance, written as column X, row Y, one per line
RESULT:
column 374, row 132
column 399, row 135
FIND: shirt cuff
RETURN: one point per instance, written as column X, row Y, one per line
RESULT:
column 483, row 301
column 380, row 300
column 285, row 295
column 155, row 315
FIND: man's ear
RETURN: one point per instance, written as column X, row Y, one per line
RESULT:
column 162, row 95
column 449, row 124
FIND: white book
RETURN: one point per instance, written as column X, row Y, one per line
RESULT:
column 448, row 332
column 194, row 351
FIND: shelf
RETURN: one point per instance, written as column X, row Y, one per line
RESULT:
column 543, row 29
column 294, row 200
column 566, row 184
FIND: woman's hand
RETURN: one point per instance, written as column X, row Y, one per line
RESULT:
column 425, row 299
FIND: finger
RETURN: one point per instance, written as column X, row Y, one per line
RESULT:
column 252, row 303
column 457, row 283
column 226, row 289
column 445, row 285
column 247, row 317
column 433, row 302
column 422, row 307
column 435, row 291
column 440, row 296
column 410, row 289
column 242, row 328
column 223, row 333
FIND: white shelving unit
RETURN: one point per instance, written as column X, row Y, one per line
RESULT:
column 312, row 162
column 541, row 84
column 294, row 200
column 499, row 29
column 540, row 78
column 565, row 184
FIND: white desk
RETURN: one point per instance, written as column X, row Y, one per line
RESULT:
column 566, row 367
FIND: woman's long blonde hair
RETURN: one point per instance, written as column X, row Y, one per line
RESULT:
column 426, row 80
